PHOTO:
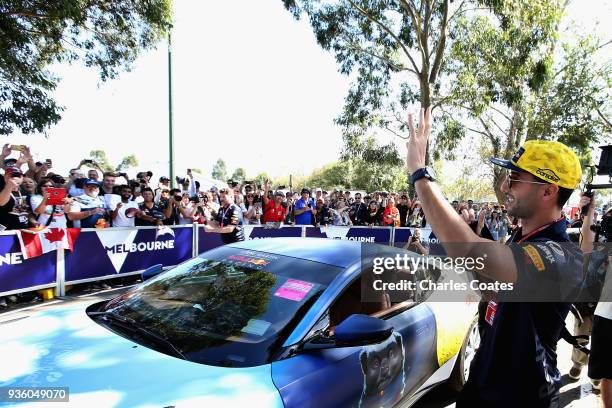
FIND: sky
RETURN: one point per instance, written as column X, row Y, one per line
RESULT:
column 250, row 86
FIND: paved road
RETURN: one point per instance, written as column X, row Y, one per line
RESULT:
column 574, row 394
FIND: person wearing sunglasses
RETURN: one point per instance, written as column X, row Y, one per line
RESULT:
column 516, row 364
column 53, row 216
column 252, row 216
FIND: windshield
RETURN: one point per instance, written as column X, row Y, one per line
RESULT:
column 229, row 307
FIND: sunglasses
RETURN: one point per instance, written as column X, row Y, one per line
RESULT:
column 510, row 180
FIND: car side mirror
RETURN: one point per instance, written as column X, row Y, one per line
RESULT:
column 152, row 271
column 355, row 330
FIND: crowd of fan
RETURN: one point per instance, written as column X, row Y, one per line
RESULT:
column 111, row 199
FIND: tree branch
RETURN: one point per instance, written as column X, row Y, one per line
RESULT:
column 501, row 113
column 441, row 45
column 496, row 125
column 606, row 121
column 416, row 21
column 387, row 30
column 489, row 133
column 380, row 57
column 395, row 133
column 465, row 11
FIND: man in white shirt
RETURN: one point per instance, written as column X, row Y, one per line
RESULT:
column 88, row 210
column 125, row 211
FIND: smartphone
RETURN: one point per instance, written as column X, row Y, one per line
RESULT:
column 87, row 161
column 57, row 195
column 49, row 163
column 18, row 148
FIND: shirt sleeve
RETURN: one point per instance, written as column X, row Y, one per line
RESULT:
column 299, row 205
column 75, row 206
column 547, row 271
column 234, row 215
column 35, row 201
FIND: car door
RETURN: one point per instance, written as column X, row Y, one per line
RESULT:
column 376, row 375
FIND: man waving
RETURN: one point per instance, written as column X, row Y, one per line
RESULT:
column 516, row 364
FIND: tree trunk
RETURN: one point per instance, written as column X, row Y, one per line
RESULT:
column 498, row 180
column 425, row 102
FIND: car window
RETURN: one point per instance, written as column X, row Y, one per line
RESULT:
column 366, row 296
column 229, row 307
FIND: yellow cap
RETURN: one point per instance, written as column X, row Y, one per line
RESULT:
column 550, row 161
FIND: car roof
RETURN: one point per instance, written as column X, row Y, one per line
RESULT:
column 336, row 252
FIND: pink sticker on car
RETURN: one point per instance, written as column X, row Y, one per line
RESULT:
column 294, row 289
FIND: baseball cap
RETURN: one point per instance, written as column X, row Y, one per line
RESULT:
column 10, row 162
column 14, row 172
column 318, row 190
column 164, row 178
column 548, row 160
column 279, row 193
column 91, row 182
column 305, row 190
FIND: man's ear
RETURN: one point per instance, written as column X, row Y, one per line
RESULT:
column 550, row 192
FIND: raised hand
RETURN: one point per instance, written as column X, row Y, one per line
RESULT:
column 6, row 150
column 417, row 143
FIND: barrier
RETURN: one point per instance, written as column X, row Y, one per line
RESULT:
column 210, row 240
column 22, row 275
column 117, row 252
column 109, row 253
column 379, row 235
column 402, row 235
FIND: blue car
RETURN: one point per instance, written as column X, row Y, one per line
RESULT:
column 262, row 323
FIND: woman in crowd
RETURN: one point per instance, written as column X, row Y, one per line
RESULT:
column 415, row 218
column 372, row 215
column 504, row 224
column 187, row 210
column 46, row 215
column 251, row 210
column 494, row 225
column 323, row 217
column 341, row 213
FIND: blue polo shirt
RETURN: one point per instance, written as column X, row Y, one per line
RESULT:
column 306, row 217
column 516, row 364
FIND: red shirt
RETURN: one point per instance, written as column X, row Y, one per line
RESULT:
column 390, row 221
column 273, row 213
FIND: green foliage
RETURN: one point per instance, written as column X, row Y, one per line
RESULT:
column 463, row 57
column 219, row 171
column 567, row 107
column 261, row 178
column 375, row 177
column 107, row 35
column 239, row 174
column 333, row 175
column 127, row 162
column 100, row 157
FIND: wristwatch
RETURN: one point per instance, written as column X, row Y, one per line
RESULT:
column 426, row 172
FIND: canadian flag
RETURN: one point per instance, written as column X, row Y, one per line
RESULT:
column 37, row 242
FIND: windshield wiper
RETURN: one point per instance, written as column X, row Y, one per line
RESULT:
column 136, row 327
